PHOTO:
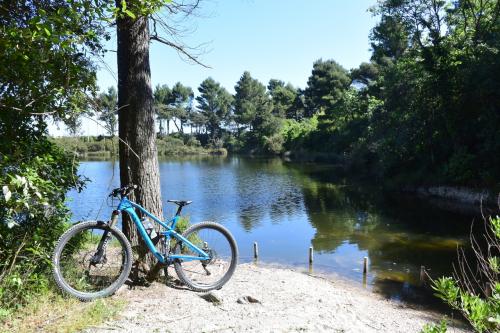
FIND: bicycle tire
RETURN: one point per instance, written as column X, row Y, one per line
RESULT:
column 126, row 262
column 178, row 264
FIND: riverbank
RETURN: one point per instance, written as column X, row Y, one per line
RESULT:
column 266, row 299
column 107, row 147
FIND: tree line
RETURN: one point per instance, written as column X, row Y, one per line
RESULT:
column 423, row 110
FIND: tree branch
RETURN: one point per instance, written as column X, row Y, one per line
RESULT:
column 179, row 49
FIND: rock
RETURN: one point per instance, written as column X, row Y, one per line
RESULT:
column 247, row 299
column 212, row 298
column 253, row 300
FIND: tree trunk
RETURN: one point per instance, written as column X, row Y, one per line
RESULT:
column 176, row 126
column 136, row 127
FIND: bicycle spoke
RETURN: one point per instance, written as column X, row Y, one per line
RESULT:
column 217, row 243
column 77, row 269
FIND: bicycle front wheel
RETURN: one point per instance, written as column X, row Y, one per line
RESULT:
column 219, row 244
column 91, row 260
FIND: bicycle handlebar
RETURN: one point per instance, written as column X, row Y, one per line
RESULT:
column 123, row 191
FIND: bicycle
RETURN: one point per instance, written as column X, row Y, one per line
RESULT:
column 93, row 259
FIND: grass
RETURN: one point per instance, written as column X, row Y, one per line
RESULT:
column 53, row 312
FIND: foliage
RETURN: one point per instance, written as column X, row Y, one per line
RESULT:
column 181, row 103
column 325, row 86
column 45, row 51
column 286, row 100
column 296, row 133
column 88, row 145
column 162, row 95
column 439, row 120
column 214, row 103
column 253, row 109
column 425, row 109
column 35, row 178
column 172, row 104
column 174, row 145
column 435, row 328
column 476, row 293
column 108, row 109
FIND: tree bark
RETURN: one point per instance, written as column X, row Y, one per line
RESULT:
column 136, row 128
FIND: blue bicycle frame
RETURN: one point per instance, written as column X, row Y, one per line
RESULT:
column 128, row 206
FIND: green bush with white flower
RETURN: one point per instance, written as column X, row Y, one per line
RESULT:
column 34, row 178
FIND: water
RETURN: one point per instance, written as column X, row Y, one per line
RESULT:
column 287, row 207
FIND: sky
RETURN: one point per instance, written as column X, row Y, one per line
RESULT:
column 269, row 38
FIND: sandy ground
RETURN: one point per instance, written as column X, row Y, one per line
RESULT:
column 280, row 300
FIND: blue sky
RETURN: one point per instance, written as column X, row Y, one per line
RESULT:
column 271, row 39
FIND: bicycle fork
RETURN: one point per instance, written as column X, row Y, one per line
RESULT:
column 106, row 237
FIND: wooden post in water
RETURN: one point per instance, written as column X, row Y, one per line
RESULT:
column 311, row 254
column 423, row 275
column 255, row 250
column 365, row 265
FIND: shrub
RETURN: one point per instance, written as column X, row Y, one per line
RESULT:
column 32, row 215
column 95, row 147
column 475, row 291
column 273, row 144
column 295, row 134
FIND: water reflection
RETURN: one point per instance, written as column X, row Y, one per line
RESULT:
column 286, row 207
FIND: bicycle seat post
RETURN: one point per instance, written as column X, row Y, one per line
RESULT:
column 179, row 209
column 180, row 204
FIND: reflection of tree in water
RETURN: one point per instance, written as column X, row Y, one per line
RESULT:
column 337, row 213
column 251, row 217
column 265, row 189
column 398, row 233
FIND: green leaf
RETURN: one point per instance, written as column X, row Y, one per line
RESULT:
column 129, row 13
column 47, row 32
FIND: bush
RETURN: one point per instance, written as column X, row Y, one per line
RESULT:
column 88, row 144
column 193, row 142
column 273, row 144
column 32, row 214
column 95, row 147
column 296, row 134
column 476, row 292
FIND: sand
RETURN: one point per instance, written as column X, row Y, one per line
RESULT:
column 266, row 299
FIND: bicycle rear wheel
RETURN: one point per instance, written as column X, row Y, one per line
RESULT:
column 205, row 275
column 84, row 272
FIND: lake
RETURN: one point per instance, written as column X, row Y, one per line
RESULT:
column 287, row 207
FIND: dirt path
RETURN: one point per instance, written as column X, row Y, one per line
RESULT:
column 281, row 300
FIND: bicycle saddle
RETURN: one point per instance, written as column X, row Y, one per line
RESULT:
column 180, row 202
